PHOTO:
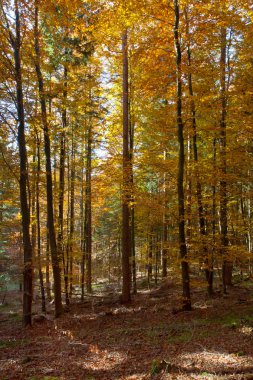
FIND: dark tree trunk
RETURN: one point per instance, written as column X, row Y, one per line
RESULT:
column 126, row 233
column 180, row 181
column 202, row 223
column 42, row 288
column 49, row 185
column 25, row 211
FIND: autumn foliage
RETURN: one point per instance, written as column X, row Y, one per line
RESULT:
column 126, row 131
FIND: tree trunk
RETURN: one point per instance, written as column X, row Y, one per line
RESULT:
column 202, row 223
column 165, row 227
column 214, row 205
column 180, row 180
column 60, row 236
column 150, row 257
column 226, row 267
column 126, row 234
column 37, row 190
column 66, row 252
column 157, row 255
column 72, row 215
column 88, row 212
column 23, row 183
column 48, row 284
column 49, row 186
column 132, row 210
column 82, row 238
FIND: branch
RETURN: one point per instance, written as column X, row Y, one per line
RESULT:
column 12, row 39
column 9, row 167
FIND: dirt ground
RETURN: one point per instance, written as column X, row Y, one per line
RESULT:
column 150, row 339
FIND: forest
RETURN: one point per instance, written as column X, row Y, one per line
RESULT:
column 126, row 189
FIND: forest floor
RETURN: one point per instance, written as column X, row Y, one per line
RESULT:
column 149, row 339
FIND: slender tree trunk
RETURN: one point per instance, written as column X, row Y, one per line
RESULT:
column 126, row 233
column 60, row 236
column 132, row 210
column 133, row 250
column 37, row 190
column 33, row 212
column 214, row 205
column 202, row 223
column 72, row 214
column 164, row 248
column 180, row 181
column 150, row 256
column 82, row 209
column 48, row 284
column 157, row 251
column 82, row 239
column 33, row 200
column 88, row 211
column 165, row 227
column 188, row 180
column 226, row 267
column 23, row 183
column 49, row 186
column 66, row 261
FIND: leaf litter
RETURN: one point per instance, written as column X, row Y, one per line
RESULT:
column 150, row 339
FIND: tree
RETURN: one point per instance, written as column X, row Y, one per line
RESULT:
column 16, row 44
column 126, row 244
column 47, row 147
column 180, row 179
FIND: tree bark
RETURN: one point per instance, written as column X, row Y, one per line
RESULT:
column 88, row 211
column 72, row 214
column 23, row 183
column 132, row 210
column 165, row 227
column 202, row 223
column 226, row 266
column 150, row 257
column 82, row 237
column 49, row 185
column 180, row 179
column 37, row 190
column 60, row 236
column 126, row 233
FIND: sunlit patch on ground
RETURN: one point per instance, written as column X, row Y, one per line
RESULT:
column 247, row 330
column 215, row 362
column 99, row 359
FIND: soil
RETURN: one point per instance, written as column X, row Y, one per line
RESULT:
column 149, row 339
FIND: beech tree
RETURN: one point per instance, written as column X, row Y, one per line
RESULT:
column 14, row 38
column 47, row 147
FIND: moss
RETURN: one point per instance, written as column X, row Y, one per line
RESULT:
column 8, row 343
column 14, row 315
